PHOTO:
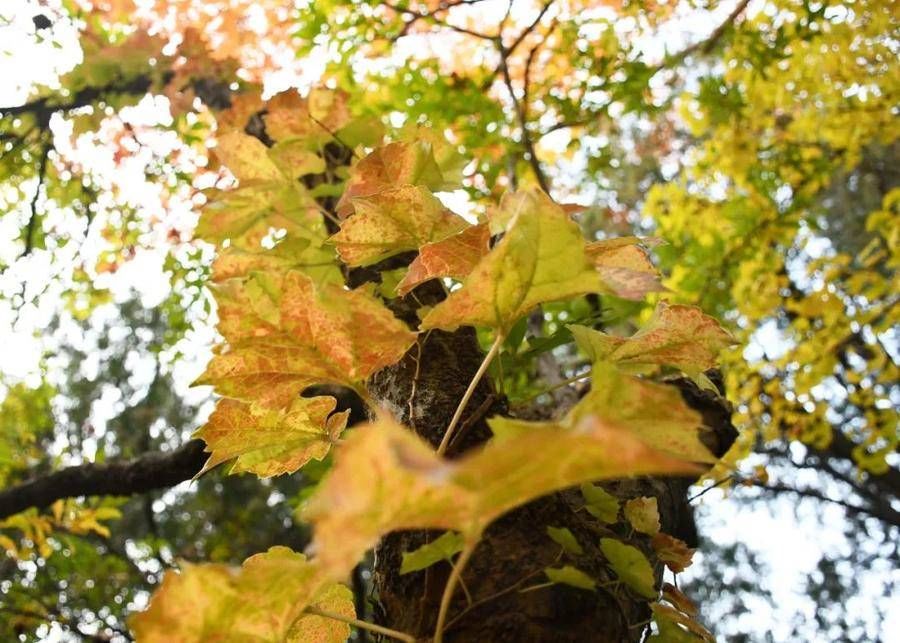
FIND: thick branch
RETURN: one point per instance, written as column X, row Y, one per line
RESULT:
column 145, row 473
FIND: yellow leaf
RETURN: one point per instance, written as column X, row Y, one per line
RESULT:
column 286, row 334
column 386, row 478
column 643, row 515
column 392, row 221
column 391, row 166
column 541, row 258
column 263, row 601
column 624, row 267
column 679, row 336
column 271, row 442
column 654, row 412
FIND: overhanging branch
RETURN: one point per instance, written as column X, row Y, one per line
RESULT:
column 159, row 470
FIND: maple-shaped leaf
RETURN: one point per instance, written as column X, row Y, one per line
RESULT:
column 624, row 267
column 654, row 412
column 190, row 605
column 601, row 504
column 679, row 336
column 453, row 257
column 285, row 333
column 298, row 252
column 386, row 478
column 541, row 258
column 391, row 166
column 643, row 515
column 392, row 221
column 313, row 120
column 673, row 552
column 263, row 601
column 630, row 565
column 271, row 442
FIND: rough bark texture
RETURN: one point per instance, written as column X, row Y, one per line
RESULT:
column 422, row 391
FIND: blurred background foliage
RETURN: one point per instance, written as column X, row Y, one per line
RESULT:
column 758, row 140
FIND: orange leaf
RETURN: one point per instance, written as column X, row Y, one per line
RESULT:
column 453, row 257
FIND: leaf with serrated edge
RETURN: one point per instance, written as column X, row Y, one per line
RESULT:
column 453, row 257
column 643, row 515
column 630, row 565
column 270, row 442
column 572, row 576
column 385, row 478
column 262, row 601
column 541, row 258
column 391, row 166
column 310, row 335
column 393, row 221
column 679, row 336
column 444, row 547
column 655, row 412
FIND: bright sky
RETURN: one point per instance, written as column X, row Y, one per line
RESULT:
column 789, row 548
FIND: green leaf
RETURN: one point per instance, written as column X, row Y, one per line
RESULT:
column 569, row 575
column 541, row 258
column 642, row 513
column 630, row 565
column 566, row 539
column 444, row 548
column 600, row 503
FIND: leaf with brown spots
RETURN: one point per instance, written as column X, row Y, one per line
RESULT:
column 393, row 221
column 270, row 442
column 453, row 257
column 285, row 333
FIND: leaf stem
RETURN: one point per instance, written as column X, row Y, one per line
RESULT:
column 355, row 622
column 455, row 577
column 558, row 385
column 495, row 348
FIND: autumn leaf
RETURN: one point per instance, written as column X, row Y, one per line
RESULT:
column 679, row 336
column 572, row 576
column 630, row 565
column 654, row 412
column 392, row 221
column 262, row 601
column 271, row 442
column 386, row 478
column 391, row 166
column 541, row 258
column 284, row 334
column 643, row 515
column 671, row 621
column 624, row 267
column 673, row 552
column 314, row 119
column 453, row 257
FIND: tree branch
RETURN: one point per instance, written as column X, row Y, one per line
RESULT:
column 146, row 473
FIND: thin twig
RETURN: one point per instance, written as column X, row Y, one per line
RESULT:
column 450, row 587
column 355, row 622
column 448, row 434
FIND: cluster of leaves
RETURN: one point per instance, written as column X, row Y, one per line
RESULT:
column 289, row 324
